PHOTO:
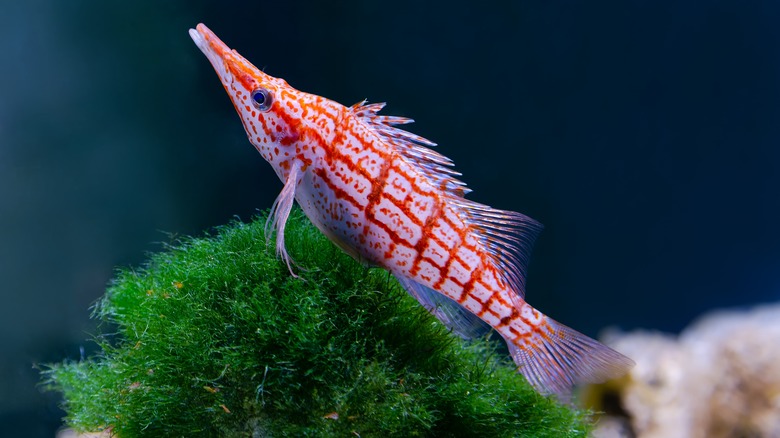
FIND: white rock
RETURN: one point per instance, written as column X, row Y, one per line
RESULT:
column 719, row 378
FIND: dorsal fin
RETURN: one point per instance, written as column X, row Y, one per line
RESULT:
column 435, row 166
column 506, row 235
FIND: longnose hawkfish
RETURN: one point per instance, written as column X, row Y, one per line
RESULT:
column 383, row 196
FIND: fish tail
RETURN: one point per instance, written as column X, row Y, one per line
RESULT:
column 554, row 357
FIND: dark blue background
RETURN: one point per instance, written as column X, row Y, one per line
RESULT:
column 643, row 134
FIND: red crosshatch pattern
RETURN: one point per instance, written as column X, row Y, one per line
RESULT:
column 381, row 194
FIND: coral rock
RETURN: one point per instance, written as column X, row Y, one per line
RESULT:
column 719, row 378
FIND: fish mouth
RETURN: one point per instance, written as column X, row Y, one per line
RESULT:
column 208, row 42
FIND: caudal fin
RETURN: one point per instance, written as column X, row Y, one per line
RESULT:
column 555, row 358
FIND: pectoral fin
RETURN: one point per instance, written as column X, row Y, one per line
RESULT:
column 280, row 211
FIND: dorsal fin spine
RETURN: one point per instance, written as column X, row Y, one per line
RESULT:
column 506, row 236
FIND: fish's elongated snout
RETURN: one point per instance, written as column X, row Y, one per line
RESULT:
column 229, row 65
column 206, row 40
column 215, row 50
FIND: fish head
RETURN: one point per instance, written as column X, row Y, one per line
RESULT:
column 266, row 105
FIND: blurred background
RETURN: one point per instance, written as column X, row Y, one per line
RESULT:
column 643, row 134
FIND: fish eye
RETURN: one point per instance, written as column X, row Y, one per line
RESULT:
column 262, row 99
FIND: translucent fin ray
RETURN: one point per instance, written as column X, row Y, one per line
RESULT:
column 435, row 166
column 558, row 357
column 454, row 316
column 280, row 211
column 507, row 236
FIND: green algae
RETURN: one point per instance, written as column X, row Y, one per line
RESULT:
column 214, row 337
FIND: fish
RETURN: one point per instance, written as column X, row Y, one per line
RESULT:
column 385, row 197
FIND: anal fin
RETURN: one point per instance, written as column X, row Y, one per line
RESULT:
column 454, row 316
